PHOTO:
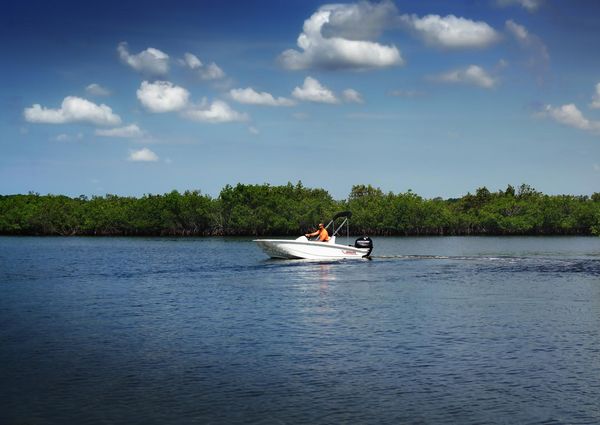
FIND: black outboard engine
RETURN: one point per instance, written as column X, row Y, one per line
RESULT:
column 364, row 242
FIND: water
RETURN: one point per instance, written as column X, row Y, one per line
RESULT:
column 207, row 331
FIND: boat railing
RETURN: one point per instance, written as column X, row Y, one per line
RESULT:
column 345, row 223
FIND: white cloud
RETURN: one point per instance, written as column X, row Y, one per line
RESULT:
column 530, row 42
column 143, row 155
column 253, row 130
column 215, row 113
column 208, row 72
column 530, row 5
column 73, row 109
column 129, row 131
column 63, row 137
column 518, row 31
column 252, row 97
column 571, row 116
column 191, row 61
column 150, row 61
column 596, row 98
column 212, row 72
column 339, row 48
column 360, row 21
column 451, row 32
column 352, row 96
column 97, row 90
column 162, row 96
column 313, row 91
column 473, row 75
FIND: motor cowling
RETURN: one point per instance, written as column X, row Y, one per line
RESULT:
column 364, row 242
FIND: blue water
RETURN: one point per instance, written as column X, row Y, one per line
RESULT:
column 207, row 331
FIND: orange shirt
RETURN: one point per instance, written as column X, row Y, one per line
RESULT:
column 323, row 235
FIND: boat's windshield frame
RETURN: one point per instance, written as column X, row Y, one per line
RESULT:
column 346, row 215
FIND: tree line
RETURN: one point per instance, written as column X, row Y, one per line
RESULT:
column 260, row 210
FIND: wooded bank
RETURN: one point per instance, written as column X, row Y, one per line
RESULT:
column 260, row 210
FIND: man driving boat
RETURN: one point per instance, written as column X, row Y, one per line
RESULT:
column 322, row 232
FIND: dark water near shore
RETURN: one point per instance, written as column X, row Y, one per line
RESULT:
column 199, row 331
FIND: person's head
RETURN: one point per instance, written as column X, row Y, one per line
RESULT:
column 320, row 225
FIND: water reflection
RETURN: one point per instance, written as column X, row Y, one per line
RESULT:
column 325, row 274
column 307, row 272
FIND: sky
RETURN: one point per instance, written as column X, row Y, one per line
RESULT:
column 437, row 97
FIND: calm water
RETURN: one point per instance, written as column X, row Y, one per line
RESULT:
column 200, row 331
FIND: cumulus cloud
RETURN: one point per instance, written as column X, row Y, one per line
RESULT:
column 129, row 131
column 143, row 155
column 531, row 43
column 212, row 72
column 191, row 61
column 596, row 98
column 215, row 113
column 206, row 72
column 352, row 96
column 473, row 75
column 313, row 91
column 73, row 109
column 95, row 89
column 162, row 96
column 360, row 21
column 571, row 116
column 150, row 61
column 451, row 32
column 530, row 5
column 331, row 40
column 518, row 31
column 252, row 97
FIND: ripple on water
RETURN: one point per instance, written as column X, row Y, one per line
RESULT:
column 210, row 331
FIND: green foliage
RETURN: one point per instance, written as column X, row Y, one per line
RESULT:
column 259, row 210
column 269, row 210
column 169, row 214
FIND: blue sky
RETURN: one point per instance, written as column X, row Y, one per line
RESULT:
column 435, row 96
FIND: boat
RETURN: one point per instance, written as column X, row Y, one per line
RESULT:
column 303, row 248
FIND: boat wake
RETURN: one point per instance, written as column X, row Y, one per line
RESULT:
column 517, row 263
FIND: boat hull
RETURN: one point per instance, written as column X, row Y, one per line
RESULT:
column 309, row 250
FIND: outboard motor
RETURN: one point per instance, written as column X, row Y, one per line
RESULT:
column 364, row 242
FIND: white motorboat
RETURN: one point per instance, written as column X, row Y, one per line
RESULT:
column 303, row 248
